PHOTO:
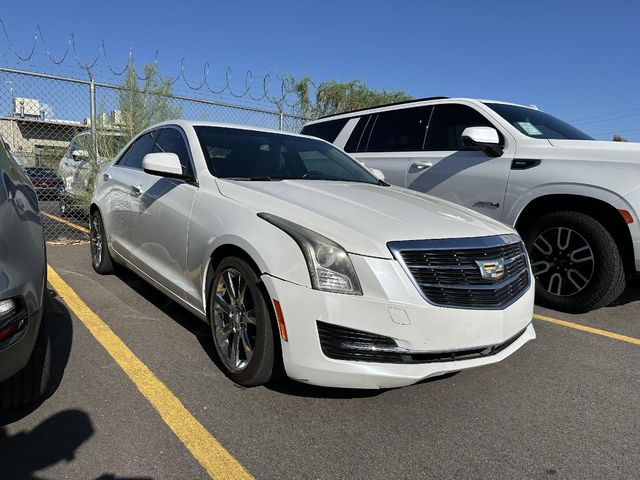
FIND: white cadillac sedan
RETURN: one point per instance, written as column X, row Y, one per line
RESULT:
column 300, row 258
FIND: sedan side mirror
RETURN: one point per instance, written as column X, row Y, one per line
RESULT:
column 483, row 138
column 79, row 154
column 377, row 173
column 162, row 163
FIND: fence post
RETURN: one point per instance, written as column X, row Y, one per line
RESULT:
column 281, row 119
column 92, row 115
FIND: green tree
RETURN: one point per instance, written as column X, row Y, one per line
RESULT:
column 335, row 97
column 619, row 138
column 141, row 104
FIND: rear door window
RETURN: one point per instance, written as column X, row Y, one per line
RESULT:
column 328, row 130
column 401, row 130
column 354, row 141
column 447, row 124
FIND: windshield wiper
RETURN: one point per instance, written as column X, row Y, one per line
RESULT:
column 252, row 179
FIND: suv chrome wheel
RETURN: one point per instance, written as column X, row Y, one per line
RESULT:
column 234, row 320
column 562, row 261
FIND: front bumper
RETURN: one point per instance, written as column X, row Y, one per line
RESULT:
column 15, row 356
column 392, row 307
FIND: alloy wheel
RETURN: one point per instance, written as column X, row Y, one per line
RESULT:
column 562, row 261
column 234, row 320
column 96, row 240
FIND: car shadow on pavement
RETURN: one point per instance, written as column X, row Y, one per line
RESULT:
column 60, row 329
column 631, row 293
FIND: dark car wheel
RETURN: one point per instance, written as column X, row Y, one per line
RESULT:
column 31, row 382
column 576, row 262
column 241, row 325
column 100, row 255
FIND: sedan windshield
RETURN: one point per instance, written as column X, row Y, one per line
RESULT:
column 537, row 124
column 252, row 155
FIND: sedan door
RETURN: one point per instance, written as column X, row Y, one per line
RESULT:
column 447, row 170
column 160, row 212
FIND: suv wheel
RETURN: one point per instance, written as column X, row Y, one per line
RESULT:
column 576, row 262
column 241, row 324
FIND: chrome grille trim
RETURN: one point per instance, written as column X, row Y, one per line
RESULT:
column 446, row 274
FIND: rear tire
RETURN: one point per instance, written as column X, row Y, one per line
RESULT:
column 30, row 383
column 240, row 322
column 100, row 256
column 576, row 262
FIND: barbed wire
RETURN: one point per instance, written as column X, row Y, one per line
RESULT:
column 102, row 57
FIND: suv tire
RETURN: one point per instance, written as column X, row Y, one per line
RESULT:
column 576, row 262
column 30, row 383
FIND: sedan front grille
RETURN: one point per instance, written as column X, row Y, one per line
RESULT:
column 481, row 273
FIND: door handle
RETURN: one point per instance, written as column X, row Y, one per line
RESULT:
column 422, row 165
column 136, row 191
column 106, row 177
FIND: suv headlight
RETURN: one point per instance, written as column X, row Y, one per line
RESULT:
column 329, row 265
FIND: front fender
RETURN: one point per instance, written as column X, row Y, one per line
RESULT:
column 518, row 201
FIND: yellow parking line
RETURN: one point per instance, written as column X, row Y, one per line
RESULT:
column 218, row 463
column 66, row 222
column 584, row 328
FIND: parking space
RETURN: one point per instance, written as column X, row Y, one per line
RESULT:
column 563, row 406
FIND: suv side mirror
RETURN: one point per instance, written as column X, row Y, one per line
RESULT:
column 483, row 138
column 163, row 163
column 79, row 154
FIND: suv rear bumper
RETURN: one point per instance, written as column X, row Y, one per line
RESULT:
column 15, row 356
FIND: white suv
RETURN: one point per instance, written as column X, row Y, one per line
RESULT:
column 575, row 201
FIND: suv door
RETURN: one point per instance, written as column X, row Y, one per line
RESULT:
column 468, row 177
column 160, row 212
column 388, row 139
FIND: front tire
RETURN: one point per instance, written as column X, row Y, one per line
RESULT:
column 241, row 324
column 100, row 256
column 576, row 262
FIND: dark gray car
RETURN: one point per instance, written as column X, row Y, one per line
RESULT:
column 24, row 342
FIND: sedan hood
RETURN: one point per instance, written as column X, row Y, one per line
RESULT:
column 362, row 218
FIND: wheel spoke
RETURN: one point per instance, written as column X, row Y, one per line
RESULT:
column 246, row 344
column 565, row 245
column 231, row 289
column 242, row 288
column 543, row 245
column 545, row 267
column 575, row 273
column 235, row 350
column 222, row 303
column 223, row 334
column 574, row 254
column 250, row 317
column 557, row 278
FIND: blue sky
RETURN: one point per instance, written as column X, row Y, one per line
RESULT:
column 575, row 59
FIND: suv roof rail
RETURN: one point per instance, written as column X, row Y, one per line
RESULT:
column 413, row 100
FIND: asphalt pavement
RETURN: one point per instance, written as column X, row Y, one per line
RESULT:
column 564, row 406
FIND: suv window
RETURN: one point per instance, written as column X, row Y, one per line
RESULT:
column 447, row 124
column 137, row 151
column 170, row 140
column 399, row 130
column 354, row 140
column 325, row 130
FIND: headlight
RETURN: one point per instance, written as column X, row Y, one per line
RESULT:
column 329, row 266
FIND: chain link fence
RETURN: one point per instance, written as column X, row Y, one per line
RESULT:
column 63, row 130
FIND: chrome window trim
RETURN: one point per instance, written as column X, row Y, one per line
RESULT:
column 397, row 247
